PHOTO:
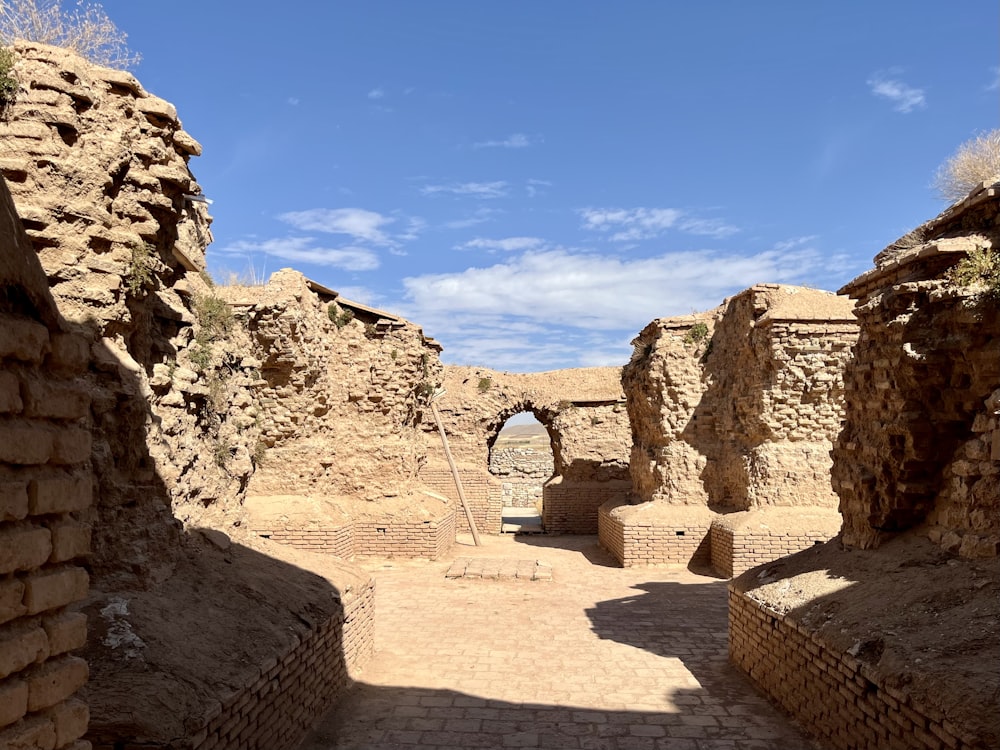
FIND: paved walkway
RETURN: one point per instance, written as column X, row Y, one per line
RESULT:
column 598, row 658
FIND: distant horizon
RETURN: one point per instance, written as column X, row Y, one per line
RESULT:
column 533, row 183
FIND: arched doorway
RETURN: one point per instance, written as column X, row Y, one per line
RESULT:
column 521, row 458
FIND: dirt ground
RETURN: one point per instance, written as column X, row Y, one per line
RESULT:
column 925, row 620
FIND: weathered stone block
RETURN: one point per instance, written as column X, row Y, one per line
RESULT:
column 55, row 681
column 20, row 646
column 69, row 540
column 36, row 733
column 11, row 599
column 13, row 501
column 13, row 701
column 10, row 393
column 55, row 401
column 24, row 548
column 69, row 353
column 49, row 590
column 66, row 631
column 62, row 495
column 70, row 719
column 25, row 444
column 21, row 339
column 71, row 446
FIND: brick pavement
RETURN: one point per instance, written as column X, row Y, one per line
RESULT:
column 598, row 658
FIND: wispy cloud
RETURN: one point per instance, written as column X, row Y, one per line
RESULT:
column 546, row 298
column 634, row 224
column 904, row 98
column 305, row 250
column 479, row 216
column 497, row 189
column 377, row 93
column 514, row 140
column 293, row 101
column 630, row 224
column 507, row 244
column 534, row 187
column 354, row 222
column 994, row 85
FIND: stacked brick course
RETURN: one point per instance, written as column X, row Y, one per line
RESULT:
column 45, row 490
column 832, row 693
column 278, row 707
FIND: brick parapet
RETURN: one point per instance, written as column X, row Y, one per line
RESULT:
column 836, row 696
column 279, row 705
column 572, row 507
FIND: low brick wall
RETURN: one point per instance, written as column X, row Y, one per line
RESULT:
column 393, row 538
column 277, row 708
column 667, row 535
column 335, row 541
column 832, row 694
column 741, row 541
column 483, row 491
column 571, row 507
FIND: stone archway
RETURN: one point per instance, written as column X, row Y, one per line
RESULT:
column 584, row 414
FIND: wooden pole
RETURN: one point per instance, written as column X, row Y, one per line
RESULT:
column 454, row 473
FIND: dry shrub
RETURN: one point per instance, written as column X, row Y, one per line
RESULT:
column 85, row 29
column 976, row 161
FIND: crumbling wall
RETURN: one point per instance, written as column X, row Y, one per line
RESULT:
column 896, row 646
column 583, row 412
column 522, row 471
column 343, row 398
column 160, row 378
column 918, row 442
column 45, row 488
column 734, row 410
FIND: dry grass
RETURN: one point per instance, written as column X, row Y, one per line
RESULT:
column 976, row 161
column 85, row 29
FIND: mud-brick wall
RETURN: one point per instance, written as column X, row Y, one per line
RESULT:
column 481, row 491
column 278, row 707
column 522, row 470
column 920, row 442
column 45, row 488
column 832, row 693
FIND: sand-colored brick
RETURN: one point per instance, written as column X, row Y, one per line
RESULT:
column 56, row 588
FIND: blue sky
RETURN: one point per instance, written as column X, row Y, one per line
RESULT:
column 533, row 182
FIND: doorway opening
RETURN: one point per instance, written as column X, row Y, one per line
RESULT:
column 521, row 458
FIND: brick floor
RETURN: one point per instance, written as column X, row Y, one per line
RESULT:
column 598, row 658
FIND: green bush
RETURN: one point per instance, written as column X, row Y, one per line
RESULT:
column 978, row 271
column 484, row 385
column 214, row 316
column 8, row 83
column 696, row 334
column 338, row 316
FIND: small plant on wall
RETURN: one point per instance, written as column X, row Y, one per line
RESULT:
column 8, row 83
column 979, row 272
column 696, row 333
column 484, row 385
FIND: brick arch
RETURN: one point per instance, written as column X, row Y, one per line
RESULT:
column 545, row 416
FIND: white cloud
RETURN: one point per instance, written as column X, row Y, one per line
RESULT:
column 515, row 140
column 293, row 101
column 305, row 250
column 497, row 189
column 355, row 222
column 994, row 85
column 631, row 223
column 634, row 224
column 415, row 226
column 479, row 216
column 602, row 292
column 903, row 97
column 534, row 187
column 376, row 93
column 708, row 228
column 507, row 244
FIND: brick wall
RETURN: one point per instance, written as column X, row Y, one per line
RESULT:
column 276, row 709
column 634, row 543
column 483, row 492
column 831, row 693
column 393, row 538
column 734, row 551
column 571, row 507
column 334, row 541
column 45, row 486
